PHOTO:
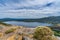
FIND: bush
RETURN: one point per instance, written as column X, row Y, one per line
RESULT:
column 10, row 30
column 43, row 33
column 49, row 38
column 57, row 33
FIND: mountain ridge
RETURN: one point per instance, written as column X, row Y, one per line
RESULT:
column 52, row 19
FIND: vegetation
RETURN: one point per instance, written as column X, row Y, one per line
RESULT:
column 44, row 33
column 56, row 30
column 5, row 24
column 1, row 34
column 12, row 37
column 52, row 19
column 10, row 30
column 57, row 33
column 1, row 27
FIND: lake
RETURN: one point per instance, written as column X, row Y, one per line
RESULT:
column 27, row 24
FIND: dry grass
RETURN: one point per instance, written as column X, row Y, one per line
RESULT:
column 1, row 35
column 12, row 37
column 20, row 38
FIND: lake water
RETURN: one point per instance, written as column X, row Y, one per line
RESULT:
column 28, row 24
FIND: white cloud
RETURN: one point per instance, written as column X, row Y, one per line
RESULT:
column 28, row 13
column 23, row 3
column 9, row 9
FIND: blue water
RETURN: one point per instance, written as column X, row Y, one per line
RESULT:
column 28, row 24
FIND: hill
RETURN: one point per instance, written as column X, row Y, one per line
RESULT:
column 52, row 19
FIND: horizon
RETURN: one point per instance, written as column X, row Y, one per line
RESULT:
column 29, row 18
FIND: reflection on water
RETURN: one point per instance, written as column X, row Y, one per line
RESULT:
column 28, row 24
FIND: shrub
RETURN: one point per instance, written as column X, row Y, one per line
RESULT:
column 49, row 38
column 10, row 30
column 43, row 33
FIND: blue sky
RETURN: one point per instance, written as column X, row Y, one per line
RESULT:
column 29, row 8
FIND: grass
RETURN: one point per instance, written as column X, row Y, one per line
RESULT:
column 11, row 37
column 10, row 30
column 1, row 35
column 5, row 24
column 57, row 33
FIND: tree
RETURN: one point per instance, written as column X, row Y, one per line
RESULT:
column 44, row 33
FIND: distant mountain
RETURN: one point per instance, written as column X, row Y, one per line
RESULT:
column 52, row 19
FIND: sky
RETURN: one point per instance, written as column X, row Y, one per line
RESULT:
column 29, row 8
